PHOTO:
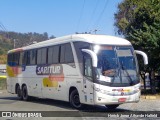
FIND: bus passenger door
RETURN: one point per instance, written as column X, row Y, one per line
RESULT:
column 88, row 79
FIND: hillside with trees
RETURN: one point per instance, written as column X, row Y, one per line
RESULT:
column 10, row 40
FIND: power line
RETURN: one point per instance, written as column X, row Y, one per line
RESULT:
column 94, row 10
column 80, row 17
column 3, row 27
column 101, row 14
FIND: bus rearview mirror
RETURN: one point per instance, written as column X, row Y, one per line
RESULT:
column 93, row 56
column 144, row 55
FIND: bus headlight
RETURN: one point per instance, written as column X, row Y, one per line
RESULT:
column 100, row 90
column 137, row 89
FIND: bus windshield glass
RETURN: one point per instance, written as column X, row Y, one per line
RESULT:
column 116, row 65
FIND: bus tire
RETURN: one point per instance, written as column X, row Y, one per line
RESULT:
column 74, row 99
column 111, row 106
column 19, row 93
column 25, row 95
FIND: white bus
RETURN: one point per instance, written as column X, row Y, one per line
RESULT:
column 80, row 69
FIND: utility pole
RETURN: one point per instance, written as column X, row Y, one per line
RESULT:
column 14, row 43
column 95, row 31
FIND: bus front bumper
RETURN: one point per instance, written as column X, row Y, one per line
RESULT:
column 104, row 99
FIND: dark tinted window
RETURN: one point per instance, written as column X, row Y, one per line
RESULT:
column 62, row 60
column 66, row 55
column 50, row 55
column 32, row 57
column 87, row 66
column 78, row 47
column 56, row 54
column 53, row 54
column 28, row 58
column 9, row 60
column 39, row 54
column 13, row 59
column 42, row 56
column 24, row 58
column 21, row 58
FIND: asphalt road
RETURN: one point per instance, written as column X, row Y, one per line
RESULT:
column 9, row 102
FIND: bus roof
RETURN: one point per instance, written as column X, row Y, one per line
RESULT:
column 90, row 38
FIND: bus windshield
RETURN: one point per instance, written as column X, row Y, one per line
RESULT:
column 116, row 66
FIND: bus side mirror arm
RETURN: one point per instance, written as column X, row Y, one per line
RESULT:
column 145, row 57
column 93, row 56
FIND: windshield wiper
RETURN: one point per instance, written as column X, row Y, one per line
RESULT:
column 128, row 76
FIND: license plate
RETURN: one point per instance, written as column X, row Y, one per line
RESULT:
column 121, row 99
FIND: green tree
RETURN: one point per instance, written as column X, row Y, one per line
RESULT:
column 139, row 22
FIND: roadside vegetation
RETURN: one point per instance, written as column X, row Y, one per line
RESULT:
column 9, row 40
column 139, row 22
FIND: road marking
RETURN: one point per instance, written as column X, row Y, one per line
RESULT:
column 1, row 92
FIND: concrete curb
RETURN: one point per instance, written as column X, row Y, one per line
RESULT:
column 149, row 97
column 3, row 91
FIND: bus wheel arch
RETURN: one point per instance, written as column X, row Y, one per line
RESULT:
column 74, row 98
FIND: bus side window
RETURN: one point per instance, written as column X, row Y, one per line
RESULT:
column 56, row 54
column 78, row 47
column 28, row 58
column 39, row 56
column 66, row 55
column 53, row 55
column 15, row 61
column 10, row 59
column 33, row 57
column 50, row 55
column 42, row 56
column 87, row 66
column 24, row 58
column 62, row 53
column 21, row 58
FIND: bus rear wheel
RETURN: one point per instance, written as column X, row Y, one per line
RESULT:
column 112, row 106
column 74, row 99
column 25, row 93
column 19, row 93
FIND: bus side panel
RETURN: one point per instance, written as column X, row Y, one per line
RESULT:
column 13, row 73
column 57, row 86
column 32, row 81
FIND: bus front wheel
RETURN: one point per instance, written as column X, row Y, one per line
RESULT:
column 74, row 99
column 111, row 106
column 25, row 93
